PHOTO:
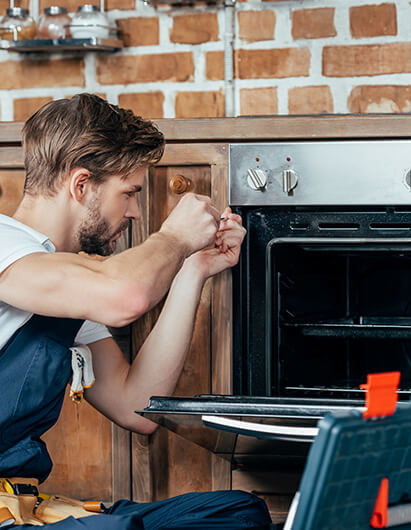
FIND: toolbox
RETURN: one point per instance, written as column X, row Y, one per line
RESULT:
column 358, row 472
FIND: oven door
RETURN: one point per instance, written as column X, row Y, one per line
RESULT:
column 250, row 432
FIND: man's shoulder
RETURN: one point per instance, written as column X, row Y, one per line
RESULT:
column 14, row 233
column 17, row 241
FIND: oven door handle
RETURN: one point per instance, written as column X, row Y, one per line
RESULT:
column 261, row 430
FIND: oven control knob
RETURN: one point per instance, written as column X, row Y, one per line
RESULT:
column 290, row 180
column 257, row 179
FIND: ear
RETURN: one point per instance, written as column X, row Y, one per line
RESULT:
column 79, row 183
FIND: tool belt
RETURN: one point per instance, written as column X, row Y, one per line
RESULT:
column 21, row 503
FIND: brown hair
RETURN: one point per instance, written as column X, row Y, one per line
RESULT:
column 88, row 132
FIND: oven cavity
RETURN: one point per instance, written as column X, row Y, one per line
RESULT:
column 338, row 314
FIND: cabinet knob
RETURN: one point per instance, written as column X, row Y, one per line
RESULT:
column 180, row 184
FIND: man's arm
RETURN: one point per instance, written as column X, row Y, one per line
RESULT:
column 120, row 388
column 118, row 290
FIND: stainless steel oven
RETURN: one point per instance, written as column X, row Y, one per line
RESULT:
column 321, row 296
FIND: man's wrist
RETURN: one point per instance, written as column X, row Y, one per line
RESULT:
column 192, row 267
column 173, row 242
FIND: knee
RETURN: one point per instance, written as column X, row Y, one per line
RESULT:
column 244, row 497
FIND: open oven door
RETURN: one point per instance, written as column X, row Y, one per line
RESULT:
column 248, row 431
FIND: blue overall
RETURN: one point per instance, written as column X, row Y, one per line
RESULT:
column 35, row 367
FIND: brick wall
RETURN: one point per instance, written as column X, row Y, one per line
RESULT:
column 291, row 57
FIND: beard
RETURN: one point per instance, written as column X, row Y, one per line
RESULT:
column 95, row 236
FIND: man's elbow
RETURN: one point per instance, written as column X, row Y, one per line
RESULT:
column 138, row 424
column 129, row 306
column 148, row 427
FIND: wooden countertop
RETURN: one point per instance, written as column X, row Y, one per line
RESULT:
column 267, row 128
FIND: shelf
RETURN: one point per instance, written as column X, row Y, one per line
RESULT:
column 57, row 45
column 188, row 3
column 363, row 327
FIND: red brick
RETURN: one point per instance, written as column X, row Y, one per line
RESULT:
column 42, row 73
column 99, row 94
column 384, row 98
column 71, row 5
column 313, row 23
column 194, row 29
column 258, row 101
column 118, row 4
column 256, row 25
column 373, row 20
column 310, row 100
column 276, row 63
column 215, row 65
column 199, row 105
column 26, row 107
column 370, row 59
column 147, row 105
column 112, row 70
column 139, row 31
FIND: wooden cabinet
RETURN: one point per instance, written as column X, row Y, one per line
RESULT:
column 167, row 465
column 11, row 190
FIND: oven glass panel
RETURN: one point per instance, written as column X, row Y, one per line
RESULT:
column 339, row 311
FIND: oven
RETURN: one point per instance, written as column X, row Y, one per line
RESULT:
column 321, row 295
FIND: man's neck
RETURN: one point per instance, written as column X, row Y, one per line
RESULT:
column 48, row 216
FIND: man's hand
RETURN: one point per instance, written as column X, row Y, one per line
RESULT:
column 194, row 222
column 226, row 250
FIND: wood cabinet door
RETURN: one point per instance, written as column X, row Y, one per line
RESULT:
column 91, row 456
column 11, row 189
column 165, row 464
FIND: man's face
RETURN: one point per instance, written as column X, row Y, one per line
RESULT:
column 109, row 210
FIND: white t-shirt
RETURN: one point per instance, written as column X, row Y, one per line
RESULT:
column 18, row 240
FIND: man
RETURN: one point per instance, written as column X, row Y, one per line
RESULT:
column 85, row 162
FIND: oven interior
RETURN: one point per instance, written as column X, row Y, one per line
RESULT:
column 339, row 311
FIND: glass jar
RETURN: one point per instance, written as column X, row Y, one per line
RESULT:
column 88, row 22
column 17, row 25
column 53, row 24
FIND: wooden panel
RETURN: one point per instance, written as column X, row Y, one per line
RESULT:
column 11, row 157
column 169, row 465
column 266, row 128
column 276, row 488
column 121, row 438
column 221, row 473
column 194, row 154
column 222, row 296
column 80, row 447
column 11, row 190
column 10, row 132
column 246, row 129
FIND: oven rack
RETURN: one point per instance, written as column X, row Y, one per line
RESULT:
column 358, row 328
